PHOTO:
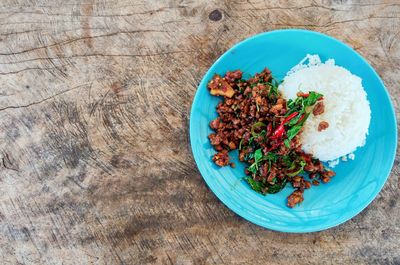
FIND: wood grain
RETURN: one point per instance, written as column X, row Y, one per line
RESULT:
column 94, row 107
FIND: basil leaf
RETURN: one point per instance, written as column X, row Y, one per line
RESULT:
column 258, row 155
column 257, row 158
column 287, row 143
column 292, row 174
column 273, row 87
column 295, row 105
column 259, row 186
column 240, row 144
column 301, row 104
column 290, row 103
column 251, row 140
column 287, row 160
column 295, row 120
column 301, row 165
column 255, row 185
column 277, row 187
column 252, row 168
column 271, row 157
column 312, row 98
column 256, row 126
column 292, row 132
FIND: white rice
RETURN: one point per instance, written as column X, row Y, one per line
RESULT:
column 346, row 108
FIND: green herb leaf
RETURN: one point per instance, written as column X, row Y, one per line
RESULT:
column 287, row 160
column 277, row 187
column 258, row 155
column 302, row 105
column 271, row 157
column 294, row 105
column 251, row 140
column 255, row 185
column 287, row 143
column 256, row 126
column 295, row 120
column 299, row 170
column 273, row 87
column 312, row 98
column 290, row 103
column 292, row 132
column 240, row 144
column 292, row 174
column 252, row 168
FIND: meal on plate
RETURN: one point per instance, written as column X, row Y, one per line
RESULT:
column 283, row 130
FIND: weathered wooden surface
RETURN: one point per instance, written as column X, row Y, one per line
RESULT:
column 94, row 106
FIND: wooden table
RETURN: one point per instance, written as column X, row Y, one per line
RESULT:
column 94, row 107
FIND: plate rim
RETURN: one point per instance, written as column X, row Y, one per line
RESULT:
column 237, row 210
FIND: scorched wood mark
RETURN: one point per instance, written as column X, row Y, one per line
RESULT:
column 95, row 160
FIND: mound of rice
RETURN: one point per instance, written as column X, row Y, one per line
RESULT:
column 346, row 108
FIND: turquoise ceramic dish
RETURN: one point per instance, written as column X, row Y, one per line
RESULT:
column 357, row 182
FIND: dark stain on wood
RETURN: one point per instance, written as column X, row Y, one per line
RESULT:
column 116, row 87
column 215, row 15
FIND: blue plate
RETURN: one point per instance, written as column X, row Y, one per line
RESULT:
column 357, row 182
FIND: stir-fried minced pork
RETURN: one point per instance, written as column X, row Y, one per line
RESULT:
column 265, row 128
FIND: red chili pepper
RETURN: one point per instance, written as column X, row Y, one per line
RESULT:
column 269, row 129
column 291, row 116
column 301, row 118
column 281, row 129
column 304, row 95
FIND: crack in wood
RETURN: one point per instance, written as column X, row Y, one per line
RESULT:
column 6, row 161
column 92, row 55
column 42, row 100
column 82, row 39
